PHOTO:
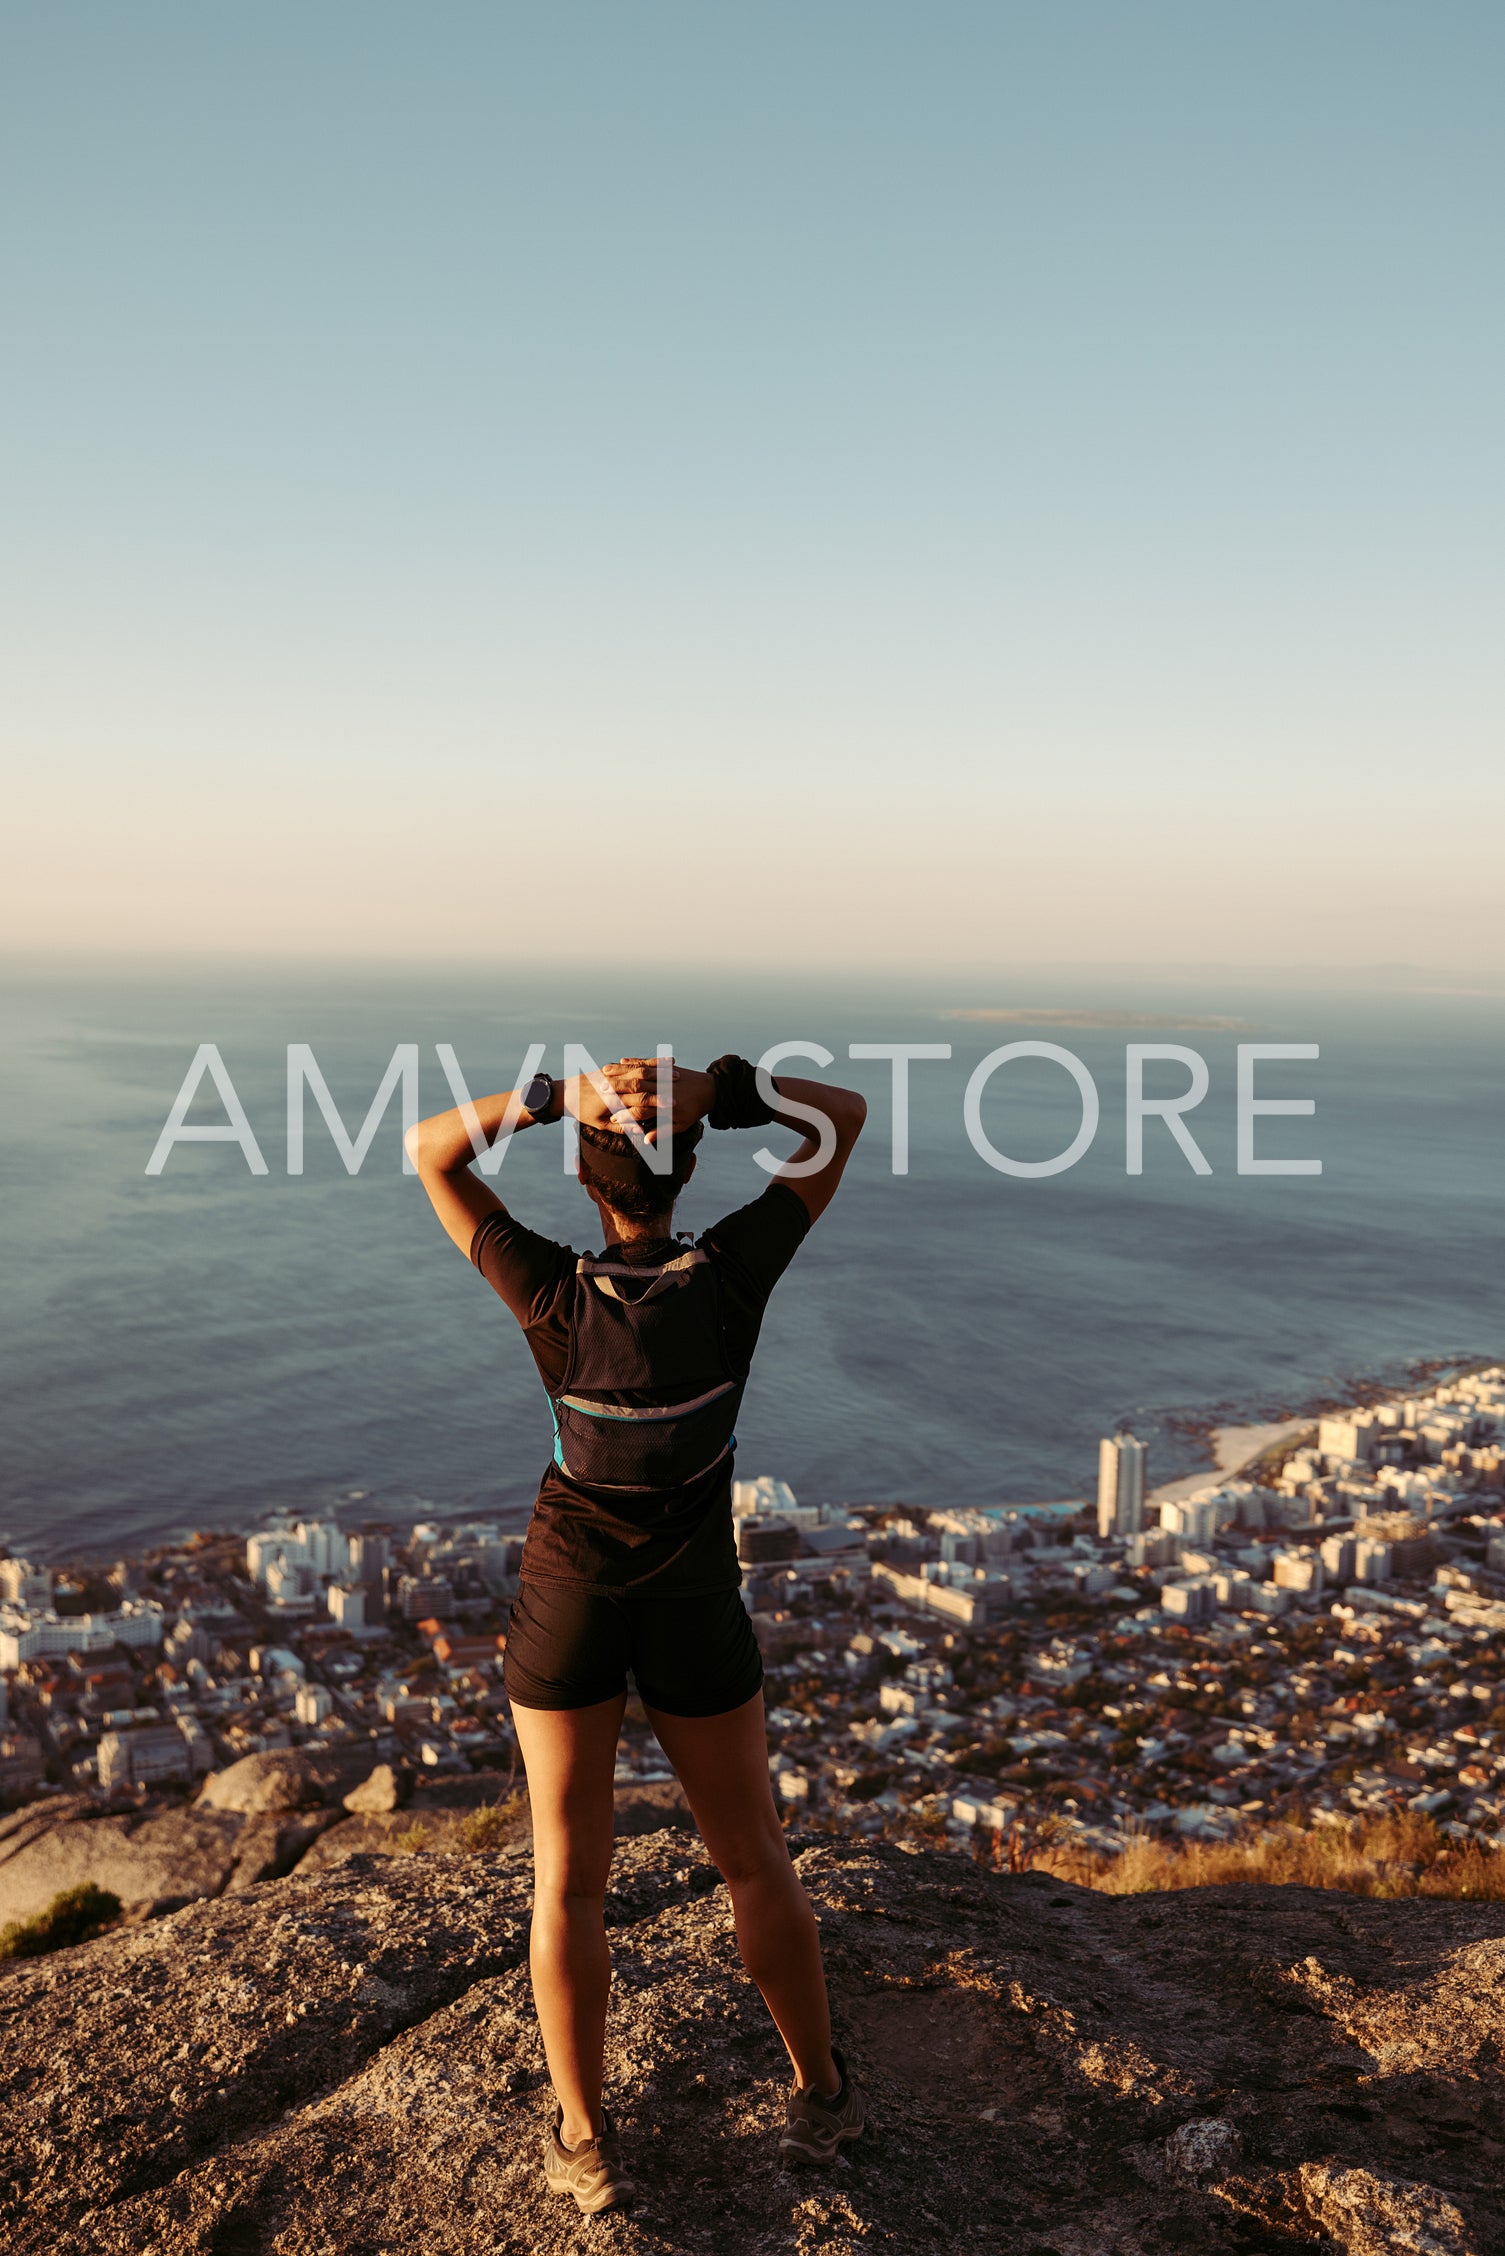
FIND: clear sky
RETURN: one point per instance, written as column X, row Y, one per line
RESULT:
column 917, row 484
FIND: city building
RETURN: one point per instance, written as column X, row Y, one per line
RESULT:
column 27, row 1635
column 26, row 1586
column 347, row 1605
column 766, row 1495
column 1120, row 1486
column 370, row 1556
column 153, row 1754
column 23, row 1766
column 1193, row 1518
column 1339, row 1554
column 763, row 1540
column 420, row 1595
column 1191, row 1601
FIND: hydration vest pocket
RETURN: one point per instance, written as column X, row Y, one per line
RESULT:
column 609, row 1445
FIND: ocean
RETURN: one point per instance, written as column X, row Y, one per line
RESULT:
column 192, row 1348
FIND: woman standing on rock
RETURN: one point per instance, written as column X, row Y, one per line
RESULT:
column 630, row 1561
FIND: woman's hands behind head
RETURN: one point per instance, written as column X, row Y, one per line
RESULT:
column 629, row 1090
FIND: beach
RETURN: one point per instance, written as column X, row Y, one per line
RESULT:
column 1233, row 1448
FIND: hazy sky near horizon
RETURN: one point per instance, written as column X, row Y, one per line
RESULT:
column 912, row 485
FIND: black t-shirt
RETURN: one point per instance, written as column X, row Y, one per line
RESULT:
column 679, row 1539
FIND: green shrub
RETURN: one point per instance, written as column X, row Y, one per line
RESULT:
column 490, row 1827
column 72, row 1917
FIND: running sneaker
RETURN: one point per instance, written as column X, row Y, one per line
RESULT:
column 593, row 2171
column 814, row 2128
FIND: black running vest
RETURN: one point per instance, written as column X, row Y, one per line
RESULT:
column 647, row 1401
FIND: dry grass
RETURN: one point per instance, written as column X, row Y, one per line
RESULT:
column 493, row 1826
column 1398, row 1854
column 490, row 1827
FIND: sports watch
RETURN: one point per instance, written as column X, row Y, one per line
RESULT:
column 539, row 1094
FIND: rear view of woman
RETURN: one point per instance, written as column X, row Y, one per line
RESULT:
column 630, row 1560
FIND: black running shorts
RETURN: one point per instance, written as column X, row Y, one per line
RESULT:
column 691, row 1653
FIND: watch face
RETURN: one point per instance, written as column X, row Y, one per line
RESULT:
column 538, row 1092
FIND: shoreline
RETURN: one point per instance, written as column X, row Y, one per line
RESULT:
column 1234, row 1448
column 1236, row 1444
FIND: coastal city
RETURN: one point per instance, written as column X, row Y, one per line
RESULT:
column 1318, row 1635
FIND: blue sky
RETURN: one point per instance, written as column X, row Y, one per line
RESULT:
column 951, row 485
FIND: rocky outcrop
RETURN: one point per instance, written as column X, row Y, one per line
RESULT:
column 388, row 1788
column 291, row 1778
column 150, row 1859
column 250, row 1822
column 346, row 2061
column 256, row 1821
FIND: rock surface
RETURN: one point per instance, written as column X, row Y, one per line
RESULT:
column 387, row 1789
column 271, row 1812
column 284, row 1779
column 153, row 1859
column 345, row 2063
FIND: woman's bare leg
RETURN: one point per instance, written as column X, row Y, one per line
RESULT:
column 722, row 1764
column 569, row 1755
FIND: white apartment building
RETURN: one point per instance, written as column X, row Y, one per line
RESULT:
column 1371, row 1559
column 1193, row 1518
column 1297, row 1570
column 154, row 1753
column 763, row 1494
column 1338, row 1555
column 325, row 1546
column 24, row 1636
column 1190, row 1601
column 347, row 1605
column 22, row 1584
column 1120, row 1486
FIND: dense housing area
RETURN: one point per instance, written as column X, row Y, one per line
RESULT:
column 1322, row 1637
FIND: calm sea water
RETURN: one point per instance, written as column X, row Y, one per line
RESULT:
column 191, row 1349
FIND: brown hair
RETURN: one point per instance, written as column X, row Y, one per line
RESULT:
column 620, row 1176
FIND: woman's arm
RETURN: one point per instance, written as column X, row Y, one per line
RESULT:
column 845, row 1111
column 443, row 1149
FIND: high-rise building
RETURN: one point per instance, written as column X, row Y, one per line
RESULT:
column 347, row 1605
column 1120, row 1486
column 369, row 1554
column 325, row 1546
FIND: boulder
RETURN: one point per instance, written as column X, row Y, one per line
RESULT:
column 349, row 2060
column 388, row 1788
column 155, row 1859
column 284, row 1778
